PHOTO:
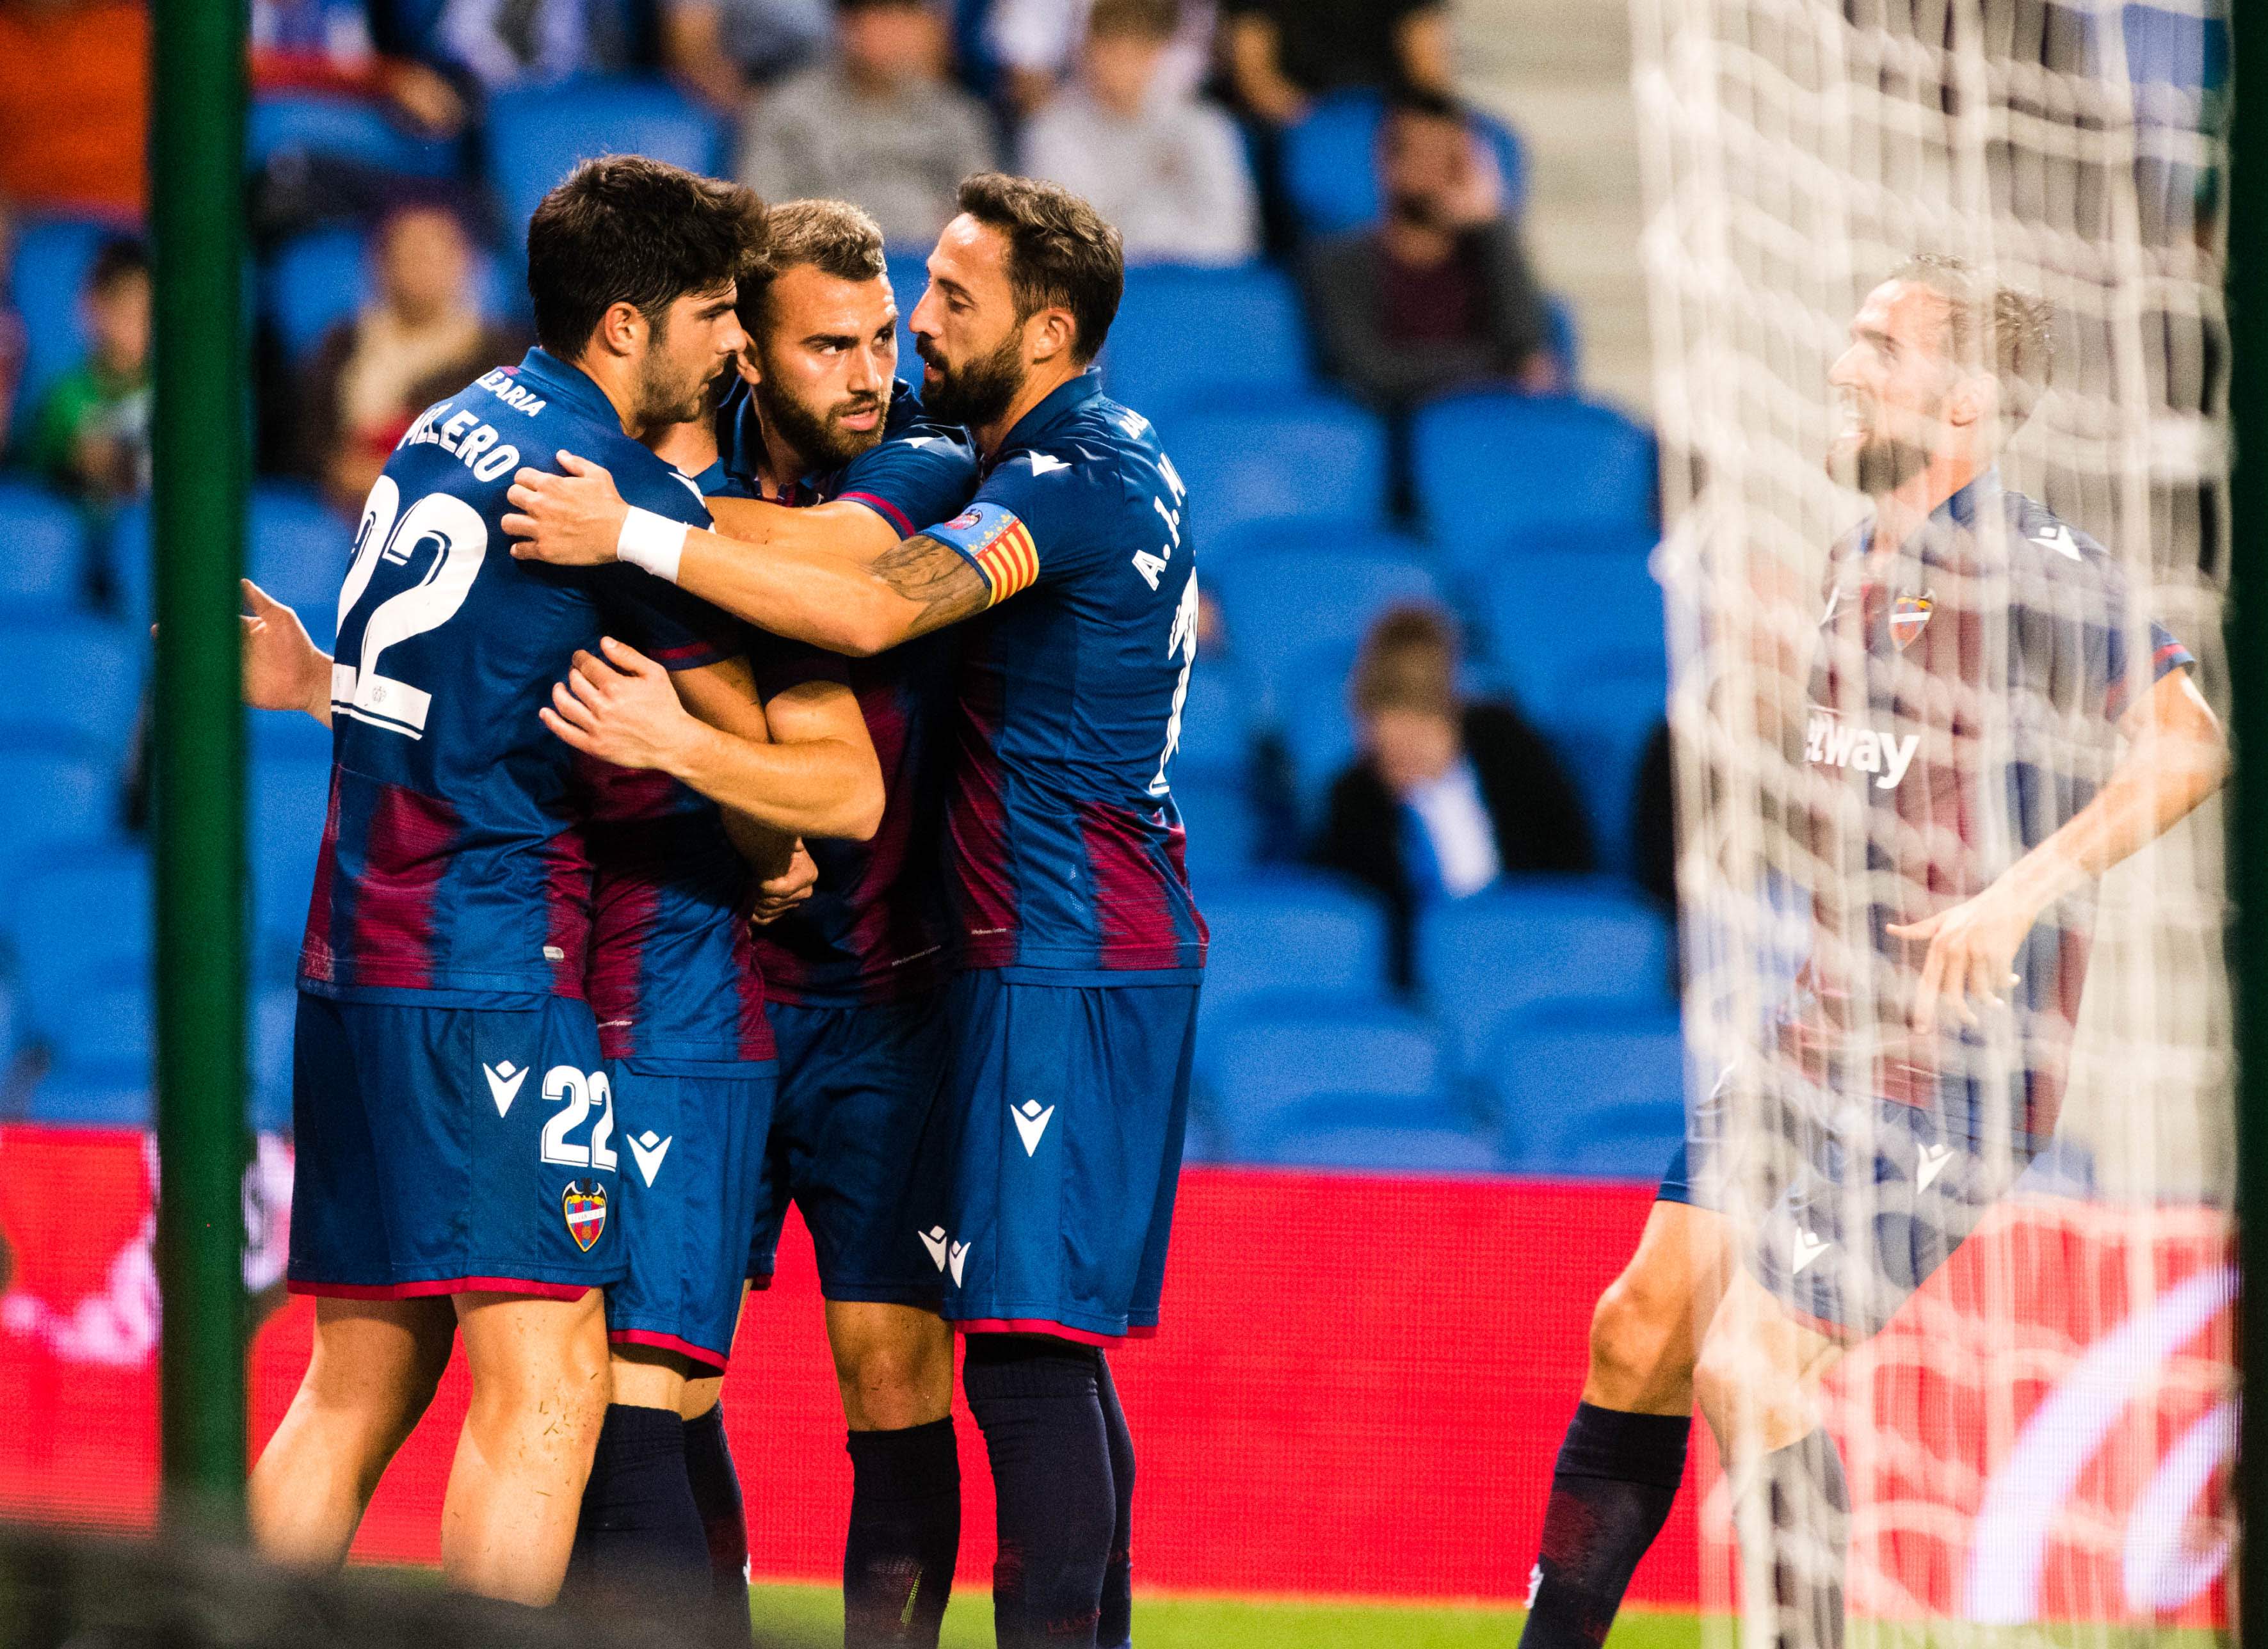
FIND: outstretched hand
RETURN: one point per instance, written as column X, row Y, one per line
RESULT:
column 571, row 519
column 283, row 669
column 1970, row 946
column 621, row 707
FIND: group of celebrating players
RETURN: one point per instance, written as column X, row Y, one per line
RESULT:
column 742, row 853
column 742, row 765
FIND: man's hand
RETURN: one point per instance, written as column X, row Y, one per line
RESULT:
column 283, row 669
column 1970, row 946
column 571, row 520
column 777, row 895
column 621, row 709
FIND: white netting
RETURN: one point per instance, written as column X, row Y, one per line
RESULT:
column 2042, row 1432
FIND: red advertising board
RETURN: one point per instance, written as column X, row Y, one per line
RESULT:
column 1359, row 1389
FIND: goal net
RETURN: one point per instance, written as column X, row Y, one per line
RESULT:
column 2011, row 1240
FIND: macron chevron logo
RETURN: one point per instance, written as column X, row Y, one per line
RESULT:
column 1934, row 1159
column 504, row 1079
column 1807, row 1248
column 650, row 1148
column 934, row 1240
column 1031, row 1122
column 1042, row 464
column 960, row 1257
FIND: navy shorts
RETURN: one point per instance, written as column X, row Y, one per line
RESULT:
column 452, row 1150
column 1860, row 1201
column 692, row 1162
column 1069, row 1102
column 860, row 1144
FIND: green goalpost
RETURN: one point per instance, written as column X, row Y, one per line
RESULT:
column 202, row 462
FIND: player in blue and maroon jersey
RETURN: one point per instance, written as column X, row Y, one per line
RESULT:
column 1073, row 1010
column 853, row 977
column 445, row 961
column 1980, row 743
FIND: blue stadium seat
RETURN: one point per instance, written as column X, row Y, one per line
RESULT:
column 1279, row 606
column 1187, row 336
column 1593, row 1089
column 1271, row 1062
column 1290, row 935
column 42, row 551
column 75, row 674
column 1476, row 563
column 537, row 135
column 346, row 128
column 289, row 801
column 1347, row 1133
column 73, row 911
column 909, row 280
column 93, row 1096
column 1267, row 534
column 1330, row 167
column 1315, row 721
column 1549, row 615
column 322, row 278
column 72, row 792
column 1485, row 961
column 1604, row 712
column 1223, row 833
column 1316, row 457
column 52, row 255
column 1488, row 465
column 272, row 1013
column 299, row 552
column 108, row 1018
column 274, row 734
column 1220, row 717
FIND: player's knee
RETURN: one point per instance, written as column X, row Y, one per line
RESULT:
column 1639, row 1337
column 890, row 1382
column 1751, row 1403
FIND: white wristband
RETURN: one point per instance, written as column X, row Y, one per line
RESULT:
column 652, row 542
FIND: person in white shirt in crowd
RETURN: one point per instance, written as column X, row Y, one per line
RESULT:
column 878, row 123
column 1448, row 794
column 1036, row 43
column 1168, row 169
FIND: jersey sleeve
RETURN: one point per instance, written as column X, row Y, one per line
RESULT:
column 676, row 630
column 1037, row 518
column 2126, row 678
column 923, row 476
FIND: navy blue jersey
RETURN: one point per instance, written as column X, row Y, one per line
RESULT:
column 1067, row 846
column 1965, row 698
column 877, row 927
column 447, row 862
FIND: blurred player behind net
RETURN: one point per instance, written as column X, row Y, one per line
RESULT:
column 1955, row 786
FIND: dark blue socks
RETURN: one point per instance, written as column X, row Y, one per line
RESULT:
column 1116, row 1628
column 1039, row 1401
column 716, row 1486
column 1610, row 1494
column 640, row 1539
column 905, row 1535
column 1809, row 1505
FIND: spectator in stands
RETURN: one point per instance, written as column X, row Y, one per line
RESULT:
column 1038, row 43
column 506, row 43
column 1439, row 296
column 1167, row 170
column 1448, row 794
column 421, row 336
column 12, row 335
column 1284, row 54
column 324, row 46
column 90, row 433
column 878, row 123
column 721, row 51
column 75, row 104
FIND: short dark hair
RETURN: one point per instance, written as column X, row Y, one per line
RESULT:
column 1145, row 19
column 2012, row 328
column 1420, row 103
column 625, row 229
column 833, row 237
column 1060, row 252
column 117, row 258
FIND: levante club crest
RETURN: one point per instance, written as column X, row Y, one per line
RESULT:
column 1908, row 615
column 585, row 1205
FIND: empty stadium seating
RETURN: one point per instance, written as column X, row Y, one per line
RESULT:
column 1364, row 1130
column 1489, row 960
column 52, row 255
column 343, row 129
column 297, row 550
column 1260, row 1069
column 1548, row 614
column 43, row 566
column 1290, row 935
column 1318, row 457
column 288, row 799
column 538, row 135
column 1190, row 337
column 1280, row 606
column 1593, row 1089
column 1488, row 465
column 78, row 675
column 77, row 910
column 66, row 790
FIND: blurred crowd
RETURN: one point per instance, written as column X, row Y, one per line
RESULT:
column 1170, row 116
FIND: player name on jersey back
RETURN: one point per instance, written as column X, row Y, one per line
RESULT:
column 447, row 862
